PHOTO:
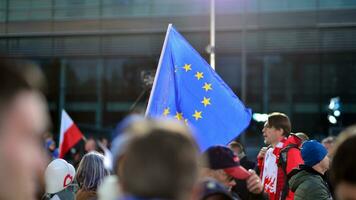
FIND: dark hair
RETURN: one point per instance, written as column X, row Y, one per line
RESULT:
column 235, row 144
column 344, row 164
column 17, row 76
column 279, row 121
column 162, row 162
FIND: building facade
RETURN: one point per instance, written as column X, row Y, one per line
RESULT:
column 98, row 54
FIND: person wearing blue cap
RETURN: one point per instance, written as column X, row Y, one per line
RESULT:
column 308, row 181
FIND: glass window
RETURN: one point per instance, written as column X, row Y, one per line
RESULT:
column 254, row 79
column 233, row 6
column 336, row 4
column 277, row 77
column 3, row 5
column 36, row 46
column 18, row 15
column 3, row 48
column 273, row 5
column 229, row 69
column 306, row 77
column 77, row 9
column 77, row 45
column 17, row 4
column 20, row 10
column 302, row 5
column 338, row 72
column 114, row 79
column 30, row 46
column 2, row 15
column 41, row 4
column 81, row 79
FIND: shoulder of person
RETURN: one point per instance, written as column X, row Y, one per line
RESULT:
column 55, row 197
column 313, row 183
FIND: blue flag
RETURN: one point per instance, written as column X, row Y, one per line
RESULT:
column 188, row 89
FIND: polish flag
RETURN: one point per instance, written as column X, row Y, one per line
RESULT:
column 70, row 134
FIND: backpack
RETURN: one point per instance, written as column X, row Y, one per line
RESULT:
column 282, row 162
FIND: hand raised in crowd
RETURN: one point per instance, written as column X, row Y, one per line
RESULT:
column 254, row 183
column 262, row 153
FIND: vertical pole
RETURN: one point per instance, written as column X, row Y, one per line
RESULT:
column 99, row 109
column 265, row 84
column 62, row 90
column 212, row 33
column 243, row 61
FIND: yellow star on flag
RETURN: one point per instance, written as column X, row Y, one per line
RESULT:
column 206, row 101
column 199, row 75
column 166, row 112
column 179, row 116
column 207, row 86
column 187, row 67
column 197, row 115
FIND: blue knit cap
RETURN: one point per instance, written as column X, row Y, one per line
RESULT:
column 313, row 152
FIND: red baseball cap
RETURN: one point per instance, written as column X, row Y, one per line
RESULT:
column 220, row 157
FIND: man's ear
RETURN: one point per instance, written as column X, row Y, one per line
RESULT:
column 280, row 131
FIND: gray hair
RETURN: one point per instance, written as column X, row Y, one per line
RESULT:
column 91, row 171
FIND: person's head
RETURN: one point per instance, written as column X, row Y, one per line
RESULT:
column 104, row 141
column 238, row 149
column 315, row 156
column 50, row 145
column 223, row 165
column 302, row 136
column 276, row 127
column 213, row 190
column 328, row 143
column 123, row 133
column 90, row 145
column 59, row 175
column 23, row 121
column 343, row 166
column 161, row 161
column 91, row 171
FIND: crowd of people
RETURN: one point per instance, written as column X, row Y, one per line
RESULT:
column 159, row 159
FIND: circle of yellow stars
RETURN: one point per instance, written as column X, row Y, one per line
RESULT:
column 206, row 101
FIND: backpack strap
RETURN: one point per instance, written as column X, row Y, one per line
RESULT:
column 282, row 162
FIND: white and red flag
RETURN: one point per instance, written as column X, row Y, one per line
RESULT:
column 70, row 134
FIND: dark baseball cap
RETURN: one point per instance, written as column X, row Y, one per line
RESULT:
column 220, row 157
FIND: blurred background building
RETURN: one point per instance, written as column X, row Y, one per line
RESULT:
column 98, row 55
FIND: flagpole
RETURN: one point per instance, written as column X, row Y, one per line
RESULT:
column 158, row 68
column 212, row 34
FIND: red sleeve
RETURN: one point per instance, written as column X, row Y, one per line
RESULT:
column 260, row 165
column 294, row 159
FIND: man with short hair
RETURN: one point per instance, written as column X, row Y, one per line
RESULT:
column 223, row 165
column 343, row 166
column 273, row 174
column 308, row 181
column 328, row 143
column 161, row 162
column 239, row 150
column 90, row 145
column 23, row 121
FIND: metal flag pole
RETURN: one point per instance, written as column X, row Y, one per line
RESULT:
column 212, row 34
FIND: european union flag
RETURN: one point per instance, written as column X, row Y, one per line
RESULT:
column 188, row 89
